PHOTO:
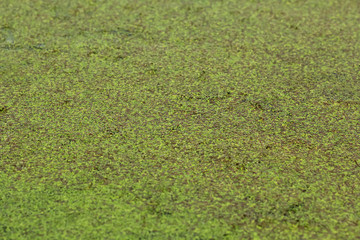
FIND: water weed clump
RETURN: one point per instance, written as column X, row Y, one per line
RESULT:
column 181, row 120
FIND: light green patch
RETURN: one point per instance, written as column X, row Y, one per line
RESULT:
column 179, row 120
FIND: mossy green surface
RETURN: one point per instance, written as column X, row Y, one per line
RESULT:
column 179, row 119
